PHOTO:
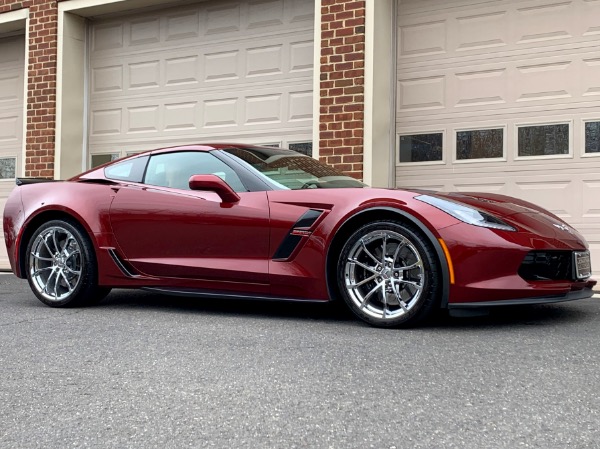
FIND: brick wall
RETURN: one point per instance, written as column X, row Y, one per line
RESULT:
column 341, row 114
column 41, row 84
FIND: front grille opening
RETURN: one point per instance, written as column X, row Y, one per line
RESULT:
column 547, row 266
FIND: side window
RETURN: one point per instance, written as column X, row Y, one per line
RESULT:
column 129, row 170
column 174, row 170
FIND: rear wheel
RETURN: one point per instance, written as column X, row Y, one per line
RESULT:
column 61, row 266
column 388, row 274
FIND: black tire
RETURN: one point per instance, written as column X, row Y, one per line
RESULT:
column 61, row 265
column 398, row 288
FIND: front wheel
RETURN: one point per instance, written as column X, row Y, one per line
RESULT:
column 61, row 266
column 388, row 274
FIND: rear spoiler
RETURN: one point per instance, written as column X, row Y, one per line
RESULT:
column 23, row 181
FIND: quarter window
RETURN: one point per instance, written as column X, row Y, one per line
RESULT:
column 175, row 169
column 480, row 144
column 129, row 170
column 421, row 147
column 592, row 137
column 543, row 140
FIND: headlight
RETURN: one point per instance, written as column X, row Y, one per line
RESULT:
column 466, row 214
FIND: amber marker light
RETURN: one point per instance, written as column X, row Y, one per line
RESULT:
column 448, row 259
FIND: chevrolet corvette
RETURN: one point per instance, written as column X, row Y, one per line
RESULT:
column 240, row 221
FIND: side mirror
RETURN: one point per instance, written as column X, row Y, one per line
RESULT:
column 213, row 183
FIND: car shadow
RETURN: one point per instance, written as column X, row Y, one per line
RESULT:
column 139, row 299
column 528, row 315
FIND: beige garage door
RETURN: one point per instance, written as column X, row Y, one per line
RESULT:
column 503, row 97
column 12, row 60
column 213, row 71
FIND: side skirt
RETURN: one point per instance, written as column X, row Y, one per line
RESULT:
column 190, row 293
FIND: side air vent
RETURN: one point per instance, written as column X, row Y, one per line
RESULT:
column 300, row 229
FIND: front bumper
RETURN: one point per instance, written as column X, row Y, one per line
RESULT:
column 584, row 293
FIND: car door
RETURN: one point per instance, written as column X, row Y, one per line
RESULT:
column 164, row 229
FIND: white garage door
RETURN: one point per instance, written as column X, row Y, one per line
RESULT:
column 214, row 71
column 503, row 96
column 12, row 60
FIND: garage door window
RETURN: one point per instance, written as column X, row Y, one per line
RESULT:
column 543, row 140
column 480, row 144
column 421, row 147
column 592, row 137
column 99, row 159
column 302, row 147
column 8, row 168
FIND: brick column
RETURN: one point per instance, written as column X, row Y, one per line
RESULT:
column 342, row 104
column 41, row 84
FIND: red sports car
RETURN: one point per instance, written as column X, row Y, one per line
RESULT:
column 239, row 221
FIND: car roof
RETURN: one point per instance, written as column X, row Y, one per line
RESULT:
column 200, row 147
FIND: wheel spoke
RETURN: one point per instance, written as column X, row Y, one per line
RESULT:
column 55, row 285
column 384, row 249
column 414, row 284
column 368, row 252
column 46, row 243
column 45, row 259
column 69, row 255
column 368, row 295
column 384, row 299
column 55, row 243
column 66, row 281
column 63, row 250
column 39, row 270
column 47, row 284
column 399, row 298
column 364, row 281
column 409, row 267
column 398, row 248
column 70, row 270
column 362, row 265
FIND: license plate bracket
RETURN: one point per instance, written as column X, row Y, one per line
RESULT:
column 583, row 264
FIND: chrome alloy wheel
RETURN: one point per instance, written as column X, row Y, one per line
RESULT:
column 55, row 263
column 384, row 274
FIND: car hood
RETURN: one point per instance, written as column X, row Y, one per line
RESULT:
column 519, row 213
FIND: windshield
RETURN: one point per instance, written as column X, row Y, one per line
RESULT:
column 286, row 169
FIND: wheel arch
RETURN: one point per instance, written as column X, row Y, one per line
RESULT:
column 362, row 217
column 39, row 219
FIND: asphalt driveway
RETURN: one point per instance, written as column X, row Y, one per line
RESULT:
column 142, row 370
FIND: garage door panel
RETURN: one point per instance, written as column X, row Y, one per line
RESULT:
column 558, row 194
column 260, row 61
column 12, row 68
column 466, row 28
column 569, row 79
column 210, row 23
column 283, row 105
column 10, row 128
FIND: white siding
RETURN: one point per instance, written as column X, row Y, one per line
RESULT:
column 468, row 64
